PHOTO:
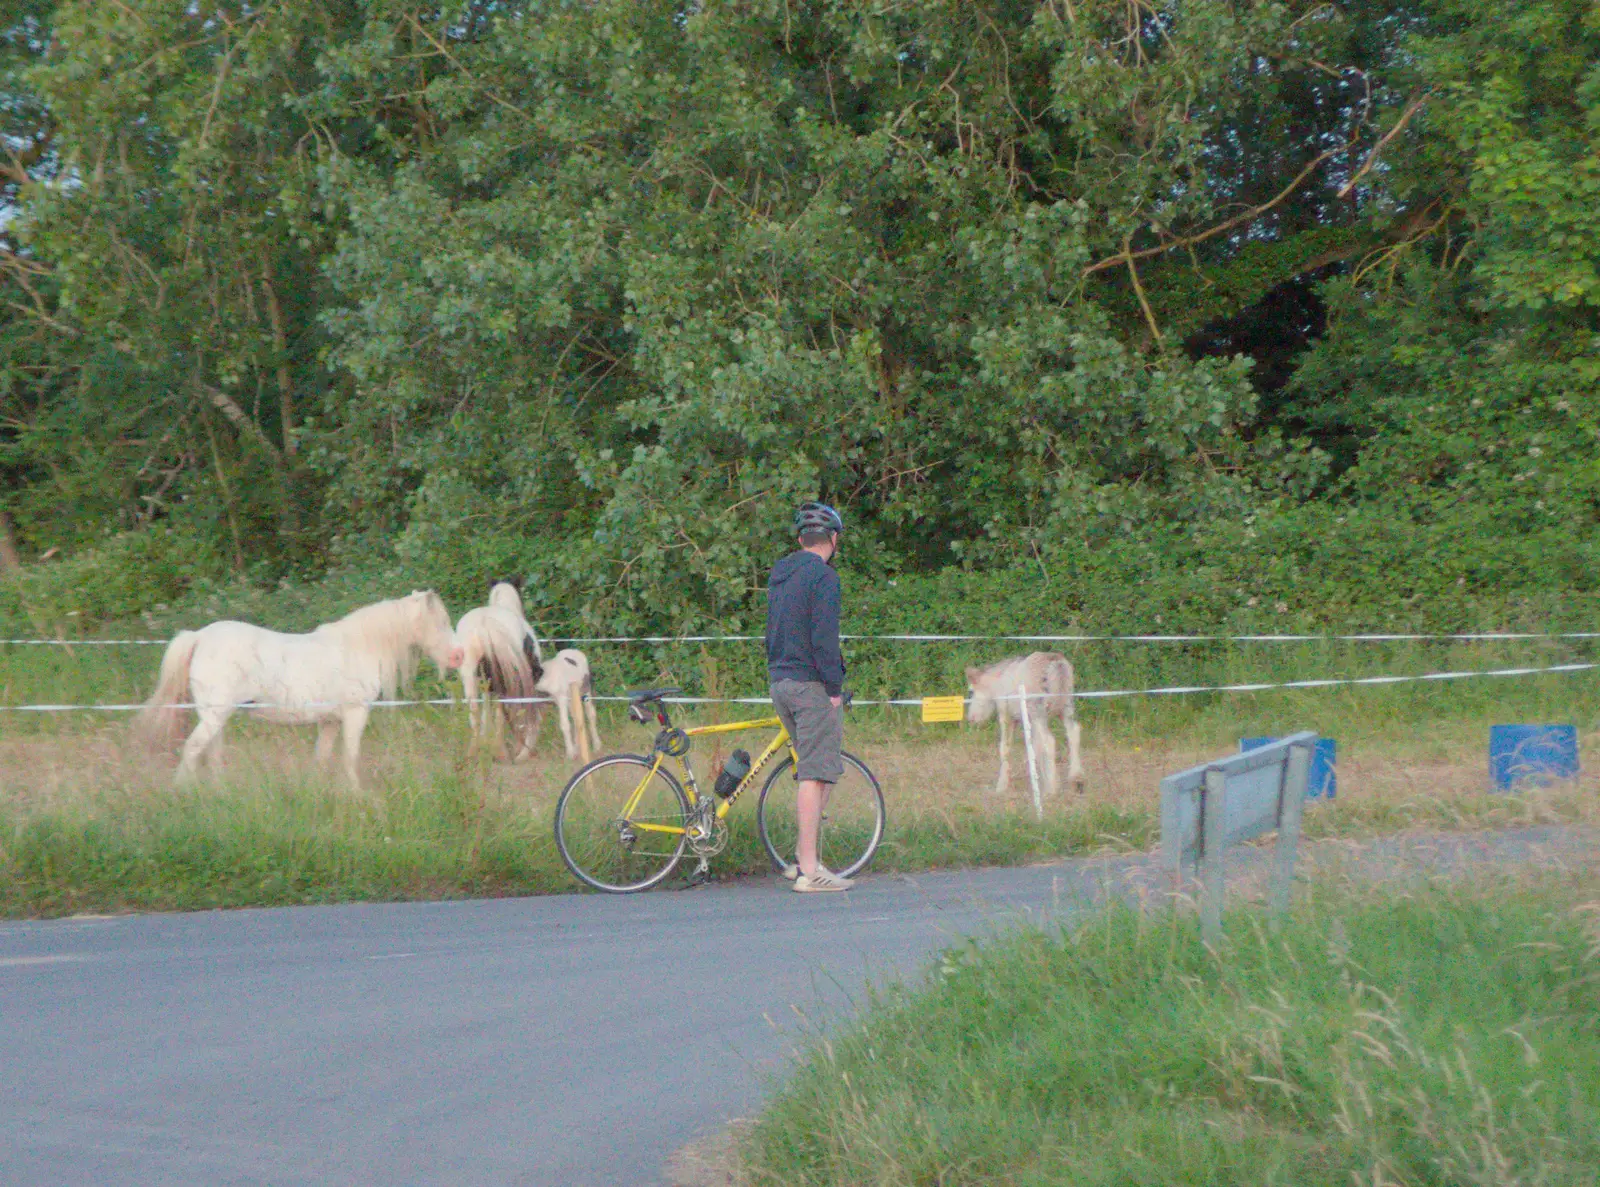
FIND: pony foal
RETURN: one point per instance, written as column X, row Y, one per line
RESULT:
column 1046, row 676
column 568, row 681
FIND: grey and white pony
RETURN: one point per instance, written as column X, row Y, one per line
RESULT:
column 512, row 665
column 1046, row 679
column 501, row 655
column 329, row 677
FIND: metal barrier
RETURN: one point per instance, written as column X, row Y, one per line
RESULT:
column 1207, row 808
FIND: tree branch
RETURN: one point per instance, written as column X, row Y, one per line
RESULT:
column 10, row 558
column 1138, row 290
column 240, row 420
column 1372, row 158
column 257, row 19
column 21, row 162
column 489, row 92
column 1249, row 216
column 280, row 340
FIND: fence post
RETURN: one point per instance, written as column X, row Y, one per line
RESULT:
column 1027, row 744
column 1213, row 851
column 579, row 723
column 1296, row 773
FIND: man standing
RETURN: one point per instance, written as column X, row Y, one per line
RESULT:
column 806, row 669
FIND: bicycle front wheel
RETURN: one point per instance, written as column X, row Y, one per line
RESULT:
column 852, row 821
column 620, row 826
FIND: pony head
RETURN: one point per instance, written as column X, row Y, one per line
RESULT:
column 435, row 635
column 980, row 706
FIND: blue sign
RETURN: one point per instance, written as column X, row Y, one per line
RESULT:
column 1520, row 755
column 1323, row 782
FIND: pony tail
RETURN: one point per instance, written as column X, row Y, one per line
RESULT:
column 159, row 720
column 1060, row 678
column 512, row 674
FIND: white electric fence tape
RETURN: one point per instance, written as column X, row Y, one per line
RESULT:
column 1176, row 690
column 660, row 640
column 85, row 642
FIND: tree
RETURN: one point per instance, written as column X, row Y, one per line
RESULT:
column 595, row 292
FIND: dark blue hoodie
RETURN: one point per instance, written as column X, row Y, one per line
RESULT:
column 803, row 622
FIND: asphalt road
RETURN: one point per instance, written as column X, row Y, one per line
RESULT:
column 573, row 1040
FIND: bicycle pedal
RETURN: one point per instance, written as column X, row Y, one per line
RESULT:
column 700, row 876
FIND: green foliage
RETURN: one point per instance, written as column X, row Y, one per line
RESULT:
column 1464, row 358
column 593, row 294
column 1446, row 1037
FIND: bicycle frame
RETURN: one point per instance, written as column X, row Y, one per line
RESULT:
column 777, row 744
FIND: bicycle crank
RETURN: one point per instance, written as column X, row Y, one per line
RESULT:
column 708, row 835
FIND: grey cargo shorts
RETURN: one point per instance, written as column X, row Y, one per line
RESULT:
column 815, row 725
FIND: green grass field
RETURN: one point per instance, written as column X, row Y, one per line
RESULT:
column 89, row 820
column 1442, row 1036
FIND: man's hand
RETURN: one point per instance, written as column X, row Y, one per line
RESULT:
column 836, row 701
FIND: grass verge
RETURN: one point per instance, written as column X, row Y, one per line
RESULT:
column 280, row 846
column 1446, row 1036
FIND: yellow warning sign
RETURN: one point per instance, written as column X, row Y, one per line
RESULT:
column 943, row 709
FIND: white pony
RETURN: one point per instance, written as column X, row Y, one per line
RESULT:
column 500, row 649
column 1046, row 677
column 329, row 676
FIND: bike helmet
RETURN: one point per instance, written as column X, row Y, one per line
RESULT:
column 817, row 517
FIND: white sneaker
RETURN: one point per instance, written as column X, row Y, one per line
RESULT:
column 792, row 871
column 824, row 879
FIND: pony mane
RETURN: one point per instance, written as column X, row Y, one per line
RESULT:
column 384, row 630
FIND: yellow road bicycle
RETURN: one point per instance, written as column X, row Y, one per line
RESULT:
column 624, row 822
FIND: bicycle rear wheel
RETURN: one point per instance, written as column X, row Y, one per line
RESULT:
column 852, row 822
column 620, row 825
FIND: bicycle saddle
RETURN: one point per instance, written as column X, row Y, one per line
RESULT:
column 644, row 696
